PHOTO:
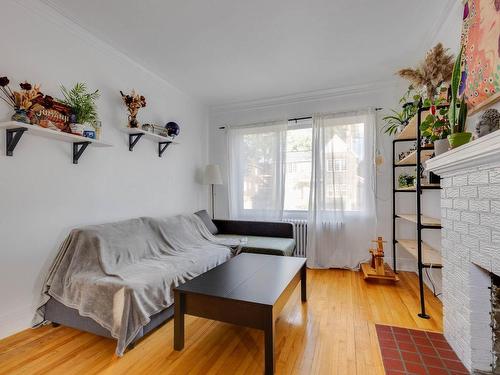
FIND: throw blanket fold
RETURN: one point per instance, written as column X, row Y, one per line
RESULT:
column 120, row 274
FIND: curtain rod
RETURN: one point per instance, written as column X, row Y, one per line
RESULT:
column 302, row 118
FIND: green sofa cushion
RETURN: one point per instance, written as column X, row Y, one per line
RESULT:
column 265, row 245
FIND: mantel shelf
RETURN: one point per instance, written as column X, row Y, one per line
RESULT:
column 135, row 134
column 15, row 130
column 480, row 153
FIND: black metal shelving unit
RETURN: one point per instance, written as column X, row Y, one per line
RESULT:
column 419, row 195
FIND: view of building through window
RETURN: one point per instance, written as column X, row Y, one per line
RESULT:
column 299, row 162
column 264, row 154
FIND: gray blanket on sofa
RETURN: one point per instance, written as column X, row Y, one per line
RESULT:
column 119, row 274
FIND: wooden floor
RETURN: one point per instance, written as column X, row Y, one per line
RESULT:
column 333, row 333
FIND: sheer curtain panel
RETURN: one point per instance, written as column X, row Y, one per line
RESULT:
column 342, row 214
column 257, row 167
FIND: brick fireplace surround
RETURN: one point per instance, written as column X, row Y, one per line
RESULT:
column 470, row 216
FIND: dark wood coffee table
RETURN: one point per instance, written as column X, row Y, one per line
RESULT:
column 249, row 290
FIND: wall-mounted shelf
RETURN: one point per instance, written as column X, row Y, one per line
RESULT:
column 135, row 134
column 14, row 131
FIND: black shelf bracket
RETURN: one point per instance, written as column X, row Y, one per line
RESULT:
column 133, row 139
column 12, row 138
column 78, row 149
column 162, row 146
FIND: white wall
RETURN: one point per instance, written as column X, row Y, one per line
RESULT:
column 43, row 194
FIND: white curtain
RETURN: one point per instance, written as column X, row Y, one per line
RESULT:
column 257, row 166
column 342, row 213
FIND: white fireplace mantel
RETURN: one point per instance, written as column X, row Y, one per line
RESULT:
column 480, row 153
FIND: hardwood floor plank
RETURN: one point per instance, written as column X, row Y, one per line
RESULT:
column 333, row 333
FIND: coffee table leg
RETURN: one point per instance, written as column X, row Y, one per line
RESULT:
column 303, row 283
column 178, row 320
column 270, row 363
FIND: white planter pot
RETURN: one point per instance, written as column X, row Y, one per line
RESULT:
column 441, row 146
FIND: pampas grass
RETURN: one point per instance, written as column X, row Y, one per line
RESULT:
column 432, row 72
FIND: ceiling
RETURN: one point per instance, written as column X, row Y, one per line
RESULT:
column 225, row 51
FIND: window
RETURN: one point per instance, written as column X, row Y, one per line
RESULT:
column 340, row 165
column 298, row 160
column 344, row 153
column 271, row 166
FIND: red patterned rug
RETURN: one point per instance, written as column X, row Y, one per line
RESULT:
column 409, row 351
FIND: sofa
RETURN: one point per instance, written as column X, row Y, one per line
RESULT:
column 263, row 237
column 259, row 237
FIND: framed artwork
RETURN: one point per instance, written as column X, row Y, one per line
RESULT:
column 481, row 53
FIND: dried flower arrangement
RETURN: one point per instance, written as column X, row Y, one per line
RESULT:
column 22, row 99
column 134, row 102
column 31, row 106
column 436, row 69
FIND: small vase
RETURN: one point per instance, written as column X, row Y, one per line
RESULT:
column 21, row 116
column 441, row 146
column 132, row 122
column 459, row 139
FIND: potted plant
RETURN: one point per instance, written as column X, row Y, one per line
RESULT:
column 83, row 107
column 396, row 122
column 458, row 119
column 436, row 127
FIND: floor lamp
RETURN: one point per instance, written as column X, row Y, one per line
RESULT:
column 212, row 177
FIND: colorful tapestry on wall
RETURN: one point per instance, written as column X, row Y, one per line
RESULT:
column 481, row 57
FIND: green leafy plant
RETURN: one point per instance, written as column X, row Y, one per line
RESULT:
column 462, row 118
column 435, row 126
column 82, row 103
column 409, row 109
column 457, row 119
column 392, row 122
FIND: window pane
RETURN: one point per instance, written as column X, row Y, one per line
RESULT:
column 259, row 153
column 298, row 177
column 344, row 154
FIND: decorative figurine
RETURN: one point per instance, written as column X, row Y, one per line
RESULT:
column 173, row 129
column 377, row 269
column 488, row 122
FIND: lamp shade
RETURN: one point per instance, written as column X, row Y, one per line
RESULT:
column 212, row 175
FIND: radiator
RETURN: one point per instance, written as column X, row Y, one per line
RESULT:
column 300, row 236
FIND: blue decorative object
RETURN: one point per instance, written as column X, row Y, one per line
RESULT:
column 173, row 129
column 89, row 134
column 21, row 116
